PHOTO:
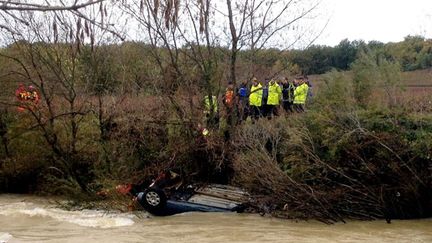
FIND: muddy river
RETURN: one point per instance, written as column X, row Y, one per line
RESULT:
column 35, row 219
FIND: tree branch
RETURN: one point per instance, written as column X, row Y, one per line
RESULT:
column 21, row 6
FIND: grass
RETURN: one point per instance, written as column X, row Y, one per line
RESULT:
column 415, row 92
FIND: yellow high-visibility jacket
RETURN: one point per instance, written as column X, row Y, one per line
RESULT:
column 208, row 107
column 255, row 96
column 274, row 94
column 300, row 94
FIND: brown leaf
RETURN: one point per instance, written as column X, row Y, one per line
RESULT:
column 92, row 40
column 176, row 10
column 78, row 25
column 82, row 36
column 156, row 7
column 55, row 31
column 142, row 6
column 86, row 28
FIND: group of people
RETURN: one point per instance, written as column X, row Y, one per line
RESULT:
column 261, row 99
column 27, row 97
column 27, row 94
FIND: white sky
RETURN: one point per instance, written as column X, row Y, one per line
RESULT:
column 382, row 20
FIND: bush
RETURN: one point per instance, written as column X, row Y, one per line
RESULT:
column 339, row 160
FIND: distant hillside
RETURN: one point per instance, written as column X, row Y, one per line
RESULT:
column 417, row 78
column 416, row 90
column 414, row 53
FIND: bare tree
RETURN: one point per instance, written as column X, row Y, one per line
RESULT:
column 258, row 24
column 201, row 43
column 158, row 20
column 25, row 6
column 236, row 34
column 17, row 11
column 49, row 49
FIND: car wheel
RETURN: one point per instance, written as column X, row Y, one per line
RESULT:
column 153, row 200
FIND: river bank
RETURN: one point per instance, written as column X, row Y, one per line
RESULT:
column 343, row 159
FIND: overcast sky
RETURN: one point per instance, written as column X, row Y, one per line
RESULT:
column 382, row 20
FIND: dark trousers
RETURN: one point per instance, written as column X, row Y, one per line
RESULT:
column 230, row 112
column 212, row 121
column 243, row 110
column 288, row 106
column 299, row 108
column 255, row 112
column 264, row 110
column 270, row 111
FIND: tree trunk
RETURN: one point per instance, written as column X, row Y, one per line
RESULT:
column 234, row 39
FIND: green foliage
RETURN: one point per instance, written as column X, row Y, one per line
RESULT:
column 350, row 160
column 100, row 70
column 338, row 91
column 365, row 77
column 315, row 59
column 414, row 53
column 371, row 72
column 321, row 59
column 352, row 163
column 345, row 53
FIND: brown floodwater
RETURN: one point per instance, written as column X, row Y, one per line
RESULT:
column 35, row 219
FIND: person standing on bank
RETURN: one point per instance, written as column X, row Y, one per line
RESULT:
column 243, row 101
column 255, row 99
column 264, row 108
column 287, row 95
column 274, row 94
column 211, row 111
column 300, row 95
column 230, row 101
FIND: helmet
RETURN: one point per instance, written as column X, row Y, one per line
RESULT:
column 205, row 132
column 124, row 188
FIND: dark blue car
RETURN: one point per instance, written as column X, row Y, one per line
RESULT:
column 206, row 198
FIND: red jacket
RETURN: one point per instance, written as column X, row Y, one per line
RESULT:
column 21, row 93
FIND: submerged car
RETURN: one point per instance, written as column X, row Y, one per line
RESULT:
column 162, row 199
